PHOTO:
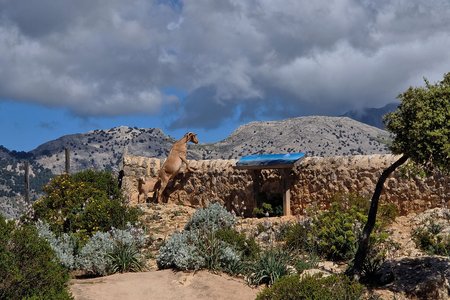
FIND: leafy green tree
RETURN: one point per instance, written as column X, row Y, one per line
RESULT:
column 84, row 203
column 421, row 128
column 28, row 266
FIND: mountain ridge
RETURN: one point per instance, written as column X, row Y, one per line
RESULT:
column 314, row 135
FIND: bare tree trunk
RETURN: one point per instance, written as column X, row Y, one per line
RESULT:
column 67, row 152
column 363, row 246
column 27, row 182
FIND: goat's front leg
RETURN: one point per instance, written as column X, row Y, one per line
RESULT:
column 188, row 168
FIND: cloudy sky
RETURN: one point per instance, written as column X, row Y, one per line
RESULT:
column 207, row 65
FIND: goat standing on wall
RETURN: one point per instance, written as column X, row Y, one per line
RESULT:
column 172, row 165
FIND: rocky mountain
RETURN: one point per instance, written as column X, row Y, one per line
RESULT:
column 102, row 149
column 4, row 153
column 316, row 136
column 372, row 116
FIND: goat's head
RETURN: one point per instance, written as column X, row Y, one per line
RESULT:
column 141, row 180
column 192, row 137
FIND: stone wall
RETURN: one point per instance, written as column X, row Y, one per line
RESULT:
column 317, row 179
column 313, row 181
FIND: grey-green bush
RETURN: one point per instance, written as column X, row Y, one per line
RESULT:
column 63, row 246
column 181, row 252
column 93, row 257
column 199, row 245
column 197, row 249
column 106, row 252
column 213, row 217
column 115, row 250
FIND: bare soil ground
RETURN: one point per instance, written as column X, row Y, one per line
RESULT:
column 164, row 284
column 413, row 275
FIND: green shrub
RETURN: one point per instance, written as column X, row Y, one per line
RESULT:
column 28, row 266
column 217, row 254
column 213, row 217
column 264, row 211
column 234, row 266
column 429, row 237
column 246, row 246
column 269, row 266
column 267, row 210
column 333, row 234
column 101, row 180
column 410, row 169
column 296, row 236
column 334, row 287
column 84, row 203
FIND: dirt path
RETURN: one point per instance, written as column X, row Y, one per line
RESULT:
column 165, row 284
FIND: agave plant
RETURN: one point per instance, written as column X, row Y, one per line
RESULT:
column 270, row 266
column 125, row 258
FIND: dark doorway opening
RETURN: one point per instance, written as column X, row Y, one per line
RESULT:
column 268, row 204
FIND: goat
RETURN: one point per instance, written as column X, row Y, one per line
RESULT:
column 174, row 161
column 146, row 186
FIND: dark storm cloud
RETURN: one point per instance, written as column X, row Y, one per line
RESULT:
column 37, row 19
column 94, row 57
column 198, row 113
column 247, row 58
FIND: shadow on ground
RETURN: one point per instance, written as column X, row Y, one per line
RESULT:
column 425, row 277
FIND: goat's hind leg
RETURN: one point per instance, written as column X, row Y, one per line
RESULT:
column 156, row 188
column 164, row 182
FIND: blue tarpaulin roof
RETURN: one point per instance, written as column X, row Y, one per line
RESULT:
column 269, row 161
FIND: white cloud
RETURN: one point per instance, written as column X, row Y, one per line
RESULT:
column 113, row 58
column 175, row 25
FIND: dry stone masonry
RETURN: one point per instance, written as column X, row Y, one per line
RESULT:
column 312, row 182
